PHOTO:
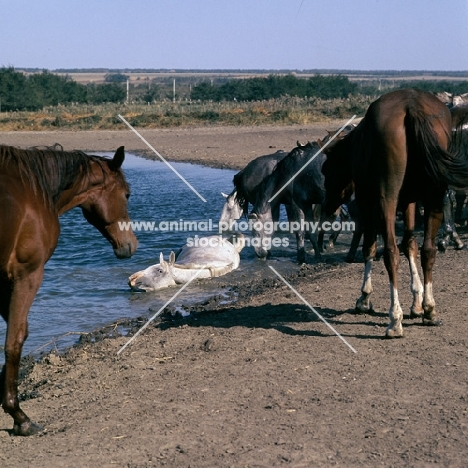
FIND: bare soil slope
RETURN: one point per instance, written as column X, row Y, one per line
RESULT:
column 261, row 382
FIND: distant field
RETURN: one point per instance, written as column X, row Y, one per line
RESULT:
column 99, row 77
column 85, row 78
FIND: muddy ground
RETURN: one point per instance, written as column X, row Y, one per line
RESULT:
column 260, row 382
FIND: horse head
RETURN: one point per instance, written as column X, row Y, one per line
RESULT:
column 155, row 277
column 262, row 231
column 105, row 207
column 232, row 210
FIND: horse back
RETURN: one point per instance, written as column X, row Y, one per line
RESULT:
column 249, row 180
column 405, row 134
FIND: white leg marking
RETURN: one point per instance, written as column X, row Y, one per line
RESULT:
column 417, row 288
column 364, row 304
column 367, row 283
column 395, row 328
column 429, row 301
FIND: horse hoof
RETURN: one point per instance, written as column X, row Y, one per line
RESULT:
column 442, row 246
column 363, row 306
column 432, row 322
column 416, row 313
column 27, row 429
column 394, row 333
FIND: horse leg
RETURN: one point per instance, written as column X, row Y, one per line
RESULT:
column 410, row 249
column 448, row 231
column 321, row 236
column 353, row 214
column 364, row 304
column 334, row 235
column 428, row 252
column 301, row 256
column 321, row 232
column 296, row 223
column 453, row 233
column 392, row 261
column 22, row 296
column 312, row 217
column 5, row 293
column 342, row 214
column 351, row 255
column 460, row 196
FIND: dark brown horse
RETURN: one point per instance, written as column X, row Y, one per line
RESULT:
column 396, row 156
column 36, row 186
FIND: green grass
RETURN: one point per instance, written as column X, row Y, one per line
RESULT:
column 284, row 111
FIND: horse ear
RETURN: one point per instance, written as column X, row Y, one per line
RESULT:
column 172, row 258
column 164, row 265
column 118, row 158
column 320, row 143
column 225, row 195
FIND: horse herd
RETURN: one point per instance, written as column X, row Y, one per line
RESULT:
column 400, row 154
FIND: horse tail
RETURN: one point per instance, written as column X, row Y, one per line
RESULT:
column 442, row 166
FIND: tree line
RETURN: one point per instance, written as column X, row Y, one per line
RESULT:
column 35, row 91
column 275, row 86
column 20, row 92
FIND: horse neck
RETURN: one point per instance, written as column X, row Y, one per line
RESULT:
column 184, row 275
column 80, row 189
column 268, row 189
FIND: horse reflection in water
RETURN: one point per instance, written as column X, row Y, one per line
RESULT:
column 396, row 156
column 36, row 186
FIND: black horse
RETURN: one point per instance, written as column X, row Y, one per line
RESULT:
column 301, row 192
column 247, row 187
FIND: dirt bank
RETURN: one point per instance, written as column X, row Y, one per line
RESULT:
column 224, row 147
column 261, row 382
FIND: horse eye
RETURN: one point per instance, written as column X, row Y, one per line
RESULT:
column 127, row 196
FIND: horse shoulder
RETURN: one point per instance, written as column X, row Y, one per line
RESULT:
column 29, row 231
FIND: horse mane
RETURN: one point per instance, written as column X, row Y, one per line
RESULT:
column 299, row 156
column 48, row 171
column 240, row 197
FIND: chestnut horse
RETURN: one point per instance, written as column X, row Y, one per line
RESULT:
column 396, row 156
column 36, row 186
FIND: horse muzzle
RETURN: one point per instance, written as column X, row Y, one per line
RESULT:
column 126, row 250
column 261, row 253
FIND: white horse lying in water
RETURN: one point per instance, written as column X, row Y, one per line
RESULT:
column 213, row 255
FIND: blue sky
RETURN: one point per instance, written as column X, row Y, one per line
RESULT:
column 235, row 34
